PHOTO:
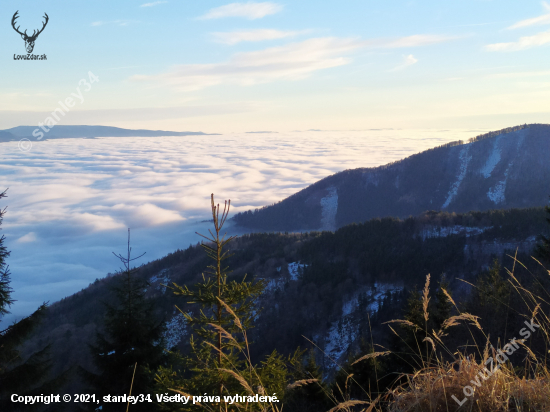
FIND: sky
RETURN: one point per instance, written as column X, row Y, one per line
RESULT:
column 224, row 67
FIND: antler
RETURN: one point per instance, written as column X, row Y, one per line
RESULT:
column 43, row 27
column 15, row 16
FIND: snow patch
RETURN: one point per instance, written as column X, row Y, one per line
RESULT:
column 176, row 329
column 465, row 160
column 521, row 136
column 329, row 205
column 378, row 292
column 350, row 305
column 160, row 279
column 371, row 177
column 295, row 269
column 274, row 284
column 343, row 332
column 493, row 159
column 435, row 232
column 496, row 193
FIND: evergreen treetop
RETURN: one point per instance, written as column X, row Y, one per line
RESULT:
column 131, row 345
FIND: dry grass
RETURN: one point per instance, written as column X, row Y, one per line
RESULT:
column 433, row 389
column 442, row 386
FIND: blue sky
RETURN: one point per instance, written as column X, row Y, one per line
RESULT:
column 218, row 66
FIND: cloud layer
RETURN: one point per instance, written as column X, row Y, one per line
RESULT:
column 71, row 200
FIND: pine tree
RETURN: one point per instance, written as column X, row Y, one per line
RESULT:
column 311, row 397
column 5, row 289
column 422, row 316
column 16, row 376
column 219, row 361
column 131, row 346
column 491, row 300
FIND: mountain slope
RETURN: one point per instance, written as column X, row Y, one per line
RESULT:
column 319, row 285
column 504, row 169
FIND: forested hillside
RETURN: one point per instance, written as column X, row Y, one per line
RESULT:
column 333, row 288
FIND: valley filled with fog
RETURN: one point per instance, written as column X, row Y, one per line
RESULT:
column 70, row 201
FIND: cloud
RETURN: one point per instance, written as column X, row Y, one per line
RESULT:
column 145, row 215
column 155, row 3
column 29, row 237
column 523, row 43
column 250, row 10
column 115, row 22
column 535, row 21
column 410, row 41
column 235, row 37
column 407, row 61
column 290, row 62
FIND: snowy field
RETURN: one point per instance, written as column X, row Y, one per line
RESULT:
column 70, row 201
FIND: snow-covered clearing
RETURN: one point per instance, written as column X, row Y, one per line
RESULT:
column 329, row 206
column 159, row 280
column 343, row 332
column 464, row 161
column 492, row 160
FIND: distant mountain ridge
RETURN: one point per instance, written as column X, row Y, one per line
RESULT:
column 63, row 132
column 504, row 169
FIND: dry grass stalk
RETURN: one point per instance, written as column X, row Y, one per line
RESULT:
column 301, row 382
column 403, row 322
column 241, row 380
column 235, row 317
column 426, row 298
column 453, row 321
column 430, row 340
column 346, row 405
column 447, row 294
column 225, row 334
column 371, row 355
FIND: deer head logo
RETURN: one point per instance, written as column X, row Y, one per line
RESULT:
column 29, row 40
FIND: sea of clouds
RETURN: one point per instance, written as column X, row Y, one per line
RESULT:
column 70, row 201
